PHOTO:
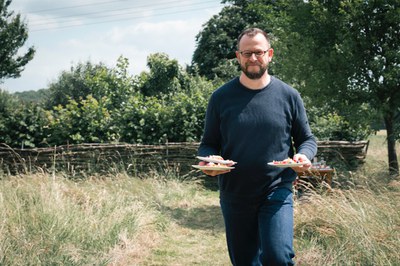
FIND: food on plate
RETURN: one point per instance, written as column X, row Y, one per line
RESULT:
column 216, row 157
column 286, row 161
column 213, row 168
column 215, row 161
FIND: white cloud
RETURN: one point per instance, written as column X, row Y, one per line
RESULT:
column 135, row 39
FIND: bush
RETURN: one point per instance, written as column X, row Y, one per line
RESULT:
column 174, row 117
column 21, row 125
column 328, row 124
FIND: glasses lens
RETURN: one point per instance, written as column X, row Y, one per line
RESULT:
column 248, row 54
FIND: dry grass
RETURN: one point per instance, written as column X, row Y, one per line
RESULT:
column 163, row 220
column 57, row 221
column 356, row 222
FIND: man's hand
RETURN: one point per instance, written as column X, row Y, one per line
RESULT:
column 213, row 172
column 301, row 158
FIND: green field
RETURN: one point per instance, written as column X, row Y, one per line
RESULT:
column 161, row 219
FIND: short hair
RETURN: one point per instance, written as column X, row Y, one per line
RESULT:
column 251, row 32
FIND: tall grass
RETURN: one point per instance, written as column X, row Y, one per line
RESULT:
column 46, row 221
column 166, row 219
column 349, row 227
column 356, row 222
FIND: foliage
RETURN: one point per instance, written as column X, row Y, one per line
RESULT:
column 8, row 104
column 119, row 111
column 216, row 42
column 349, row 58
column 97, row 80
column 344, row 53
column 303, row 56
column 21, row 125
column 39, row 96
column 13, row 35
column 373, row 43
column 226, row 70
column 164, row 76
column 174, row 117
column 84, row 122
column 171, row 116
column 326, row 124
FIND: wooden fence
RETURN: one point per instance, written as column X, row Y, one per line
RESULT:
column 138, row 158
column 348, row 153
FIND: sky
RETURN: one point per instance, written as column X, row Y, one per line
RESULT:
column 65, row 33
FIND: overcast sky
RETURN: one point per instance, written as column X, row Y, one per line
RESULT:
column 65, row 33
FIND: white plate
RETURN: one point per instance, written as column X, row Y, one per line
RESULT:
column 206, row 167
column 286, row 165
column 214, row 160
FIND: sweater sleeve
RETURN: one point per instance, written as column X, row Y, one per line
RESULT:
column 210, row 143
column 304, row 140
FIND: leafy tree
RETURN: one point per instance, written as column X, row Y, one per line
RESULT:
column 86, row 121
column 13, row 34
column 165, row 76
column 35, row 96
column 350, row 58
column 344, row 53
column 216, row 42
column 96, row 80
column 175, row 116
column 80, row 81
column 21, row 125
column 374, row 45
column 8, row 104
column 226, row 70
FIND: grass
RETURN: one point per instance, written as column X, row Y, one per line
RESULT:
column 162, row 219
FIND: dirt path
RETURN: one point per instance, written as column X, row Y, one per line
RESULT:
column 194, row 235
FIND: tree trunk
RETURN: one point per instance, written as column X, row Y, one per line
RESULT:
column 391, row 144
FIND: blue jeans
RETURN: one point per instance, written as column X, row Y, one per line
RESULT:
column 260, row 233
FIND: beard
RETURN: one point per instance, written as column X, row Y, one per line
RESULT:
column 254, row 75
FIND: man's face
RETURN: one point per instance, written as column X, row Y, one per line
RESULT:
column 254, row 55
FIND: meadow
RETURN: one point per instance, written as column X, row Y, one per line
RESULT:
column 162, row 218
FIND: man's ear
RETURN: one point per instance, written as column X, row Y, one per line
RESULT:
column 237, row 56
column 270, row 54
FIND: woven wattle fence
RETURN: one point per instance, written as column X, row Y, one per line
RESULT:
column 350, row 153
column 138, row 158
column 98, row 157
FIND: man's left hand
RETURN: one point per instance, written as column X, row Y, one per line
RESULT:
column 301, row 158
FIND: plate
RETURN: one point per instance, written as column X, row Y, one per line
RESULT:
column 214, row 160
column 286, row 165
column 206, row 167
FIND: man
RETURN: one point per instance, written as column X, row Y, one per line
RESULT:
column 255, row 119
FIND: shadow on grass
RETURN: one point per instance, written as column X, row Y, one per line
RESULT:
column 199, row 218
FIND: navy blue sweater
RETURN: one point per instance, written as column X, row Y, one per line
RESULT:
column 254, row 127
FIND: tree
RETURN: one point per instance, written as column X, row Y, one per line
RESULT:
column 13, row 34
column 165, row 76
column 80, row 81
column 374, row 45
column 216, row 43
column 96, row 80
column 344, row 53
column 21, row 124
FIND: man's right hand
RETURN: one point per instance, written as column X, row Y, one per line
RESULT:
column 213, row 172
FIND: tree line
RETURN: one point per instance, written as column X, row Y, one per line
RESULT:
column 343, row 56
column 93, row 103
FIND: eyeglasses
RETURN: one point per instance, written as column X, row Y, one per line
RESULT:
column 258, row 54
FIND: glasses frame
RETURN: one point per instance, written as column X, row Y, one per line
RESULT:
column 249, row 54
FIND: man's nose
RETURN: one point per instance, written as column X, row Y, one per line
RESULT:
column 253, row 57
